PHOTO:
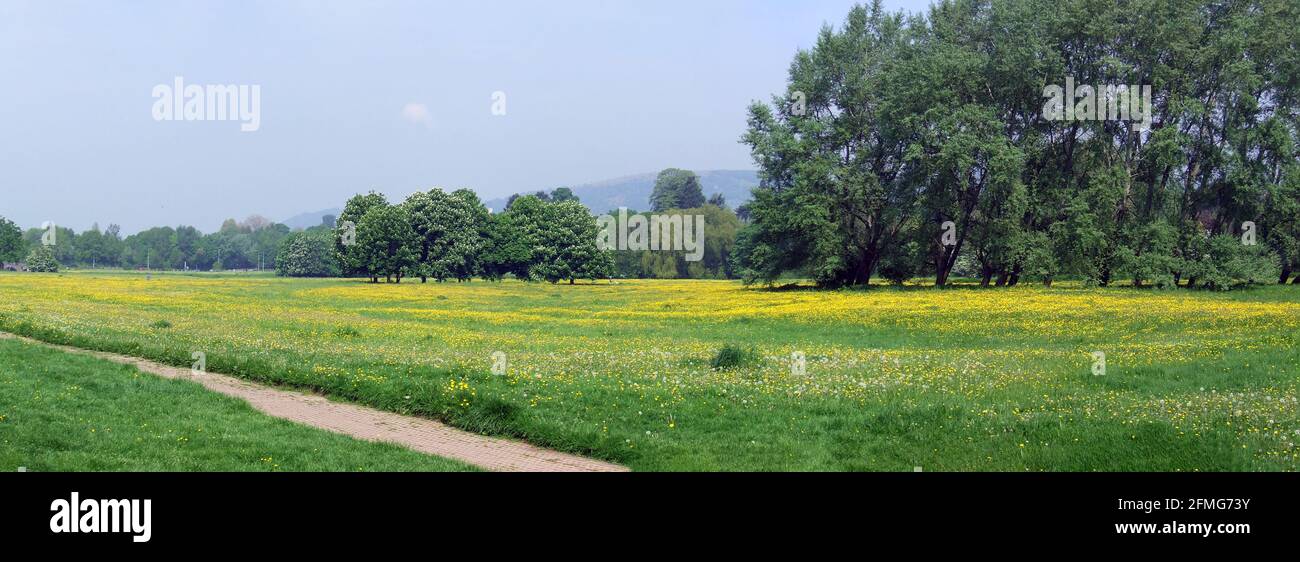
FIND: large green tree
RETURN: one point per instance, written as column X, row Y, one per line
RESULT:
column 346, row 231
column 307, row 254
column 451, row 228
column 676, row 189
column 832, row 199
column 513, row 239
column 12, row 246
column 386, row 245
column 566, row 248
column 930, row 136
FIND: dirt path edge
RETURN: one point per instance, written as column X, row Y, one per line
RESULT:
column 420, row 434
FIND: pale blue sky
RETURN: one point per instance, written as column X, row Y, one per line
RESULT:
column 594, row 90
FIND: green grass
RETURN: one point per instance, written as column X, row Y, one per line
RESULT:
column 961, row 378
column 67, row 412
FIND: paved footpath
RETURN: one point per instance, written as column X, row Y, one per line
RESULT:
column 420, row 434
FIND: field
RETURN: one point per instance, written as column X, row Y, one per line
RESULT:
column 895, row 378
column 61, row 412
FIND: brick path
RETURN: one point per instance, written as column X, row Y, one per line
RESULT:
column 420, row 434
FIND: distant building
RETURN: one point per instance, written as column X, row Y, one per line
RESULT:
column 12, row 266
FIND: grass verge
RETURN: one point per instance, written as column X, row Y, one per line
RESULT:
column 65, row 412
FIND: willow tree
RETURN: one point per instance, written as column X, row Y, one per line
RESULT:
column 830, row 202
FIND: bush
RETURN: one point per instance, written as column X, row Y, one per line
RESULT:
column 733, row 356
column 901, row 263
column 41, row 259
column 1223, row 262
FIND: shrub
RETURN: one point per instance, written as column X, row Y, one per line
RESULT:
column 161, row 324
column 733, row 356
column 901, row 263
column 1223, row 262
column 41, row 259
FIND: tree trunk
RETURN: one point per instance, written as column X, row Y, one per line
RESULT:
column 986, row 277
column 865, row 266
column 943, row 270
column 948, row 260
column 1047, row 281
column 938, row 267
column 1002, row 279
column 424, row 278
column 1296, row 281
column 570, row 280
column 1286, row 274
column 1015, row 278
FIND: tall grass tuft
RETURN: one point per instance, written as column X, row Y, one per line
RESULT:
column 346, row 332
column 732, row 356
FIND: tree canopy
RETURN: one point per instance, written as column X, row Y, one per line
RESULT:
column 922, row 145
column 12, row 246
column 307, row 254
column 676, row 189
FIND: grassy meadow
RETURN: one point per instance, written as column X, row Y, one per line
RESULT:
column 65, row 412
column 961, row 378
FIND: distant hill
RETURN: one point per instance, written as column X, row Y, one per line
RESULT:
column 308, row 220
column 633, row 192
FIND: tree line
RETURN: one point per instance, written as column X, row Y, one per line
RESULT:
column 249, row 244
column 440, row 235
column 919, row 146
column 542, row 236
column 444, row 236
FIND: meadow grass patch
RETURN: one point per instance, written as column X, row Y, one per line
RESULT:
column 958, row 379
column 68, row 412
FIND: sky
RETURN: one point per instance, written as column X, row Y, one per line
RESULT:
column 397, row 97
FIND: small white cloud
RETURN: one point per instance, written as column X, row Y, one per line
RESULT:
column 418, row 113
